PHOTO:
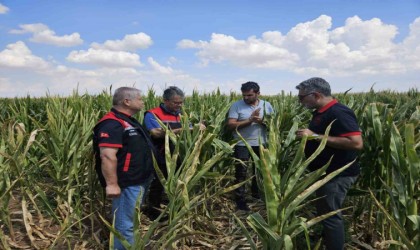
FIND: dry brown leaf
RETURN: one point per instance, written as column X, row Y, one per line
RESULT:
column 27, row 219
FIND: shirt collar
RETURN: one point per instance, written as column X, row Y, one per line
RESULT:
column 119, row 112
column 327, row 106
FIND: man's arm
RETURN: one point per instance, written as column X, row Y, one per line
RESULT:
column 155, row 130
column 233, row 123
column 351, row 142
column 160, row 133
column 354, row 142
column 109, row 171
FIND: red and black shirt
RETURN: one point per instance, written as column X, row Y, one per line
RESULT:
column 134, row 156
column 345, row 124
column 171, row 119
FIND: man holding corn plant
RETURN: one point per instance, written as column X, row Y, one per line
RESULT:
column 343, row 142
column 123, row 151
column 246, row 118
column 169, row 113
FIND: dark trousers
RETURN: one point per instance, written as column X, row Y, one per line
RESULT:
column 241, row 172
column 333, row 194
column 156, row 188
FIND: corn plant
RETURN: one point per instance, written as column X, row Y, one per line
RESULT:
column 201, row 150
column 285, row 193
column 18, row 177
column 403, row 191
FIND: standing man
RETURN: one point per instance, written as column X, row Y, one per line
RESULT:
column 343, row 142
column 169, row 113
column 123, row 152
column 246, row 118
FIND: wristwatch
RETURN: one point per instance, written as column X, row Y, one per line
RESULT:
column 316, row 137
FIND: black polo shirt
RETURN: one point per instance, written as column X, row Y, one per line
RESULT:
column 345, row 124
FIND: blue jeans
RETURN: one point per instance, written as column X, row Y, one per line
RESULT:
column 333, row 227
column 123, row 208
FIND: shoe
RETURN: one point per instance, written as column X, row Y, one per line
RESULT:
column 241, row 205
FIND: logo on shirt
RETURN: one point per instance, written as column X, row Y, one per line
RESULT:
column 132, row 132
column 104, row 135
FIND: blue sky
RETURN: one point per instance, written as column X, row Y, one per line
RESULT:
column 58, row 46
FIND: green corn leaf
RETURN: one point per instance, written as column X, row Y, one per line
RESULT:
column 412, row 156
column 246, row 232
column 257, row 222
column 401, row 232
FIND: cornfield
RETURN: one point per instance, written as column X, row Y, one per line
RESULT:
column 50, row 197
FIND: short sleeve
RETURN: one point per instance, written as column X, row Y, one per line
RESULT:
column 269, row 109
column 110, row 134
column 233, row 112
column 346, row 123
column 150, row 121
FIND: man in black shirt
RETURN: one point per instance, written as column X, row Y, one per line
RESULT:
column 343, row 142
column 123, row 151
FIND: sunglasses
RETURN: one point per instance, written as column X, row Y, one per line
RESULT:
column 301, row 97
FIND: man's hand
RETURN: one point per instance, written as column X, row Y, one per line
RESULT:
column 353, row 142
column 112, row 191
column 157, row 133
column 256, row 113
column 301, row 132
column 255, row 116
column 202, row 126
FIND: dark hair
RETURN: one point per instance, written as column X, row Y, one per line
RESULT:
column 250, row 86
column 315, row 84
column 172, row 91
column 123, row 93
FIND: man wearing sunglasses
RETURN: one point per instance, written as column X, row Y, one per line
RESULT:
column 343, row 142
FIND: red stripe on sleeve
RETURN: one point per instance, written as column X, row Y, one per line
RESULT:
column 351, row 134
column 110, row 145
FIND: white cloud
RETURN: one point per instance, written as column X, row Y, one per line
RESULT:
column 3, row 9
column 172, row 60
column 105, row 58
column 41, row 33
column 189, row 44
column 18, row 55
column 159, row 68
column 365, row 35
column 273, row 37
column 358, row 47
column 130, row 42
column 95, row 81
column 252, row 52
column 410, row 47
